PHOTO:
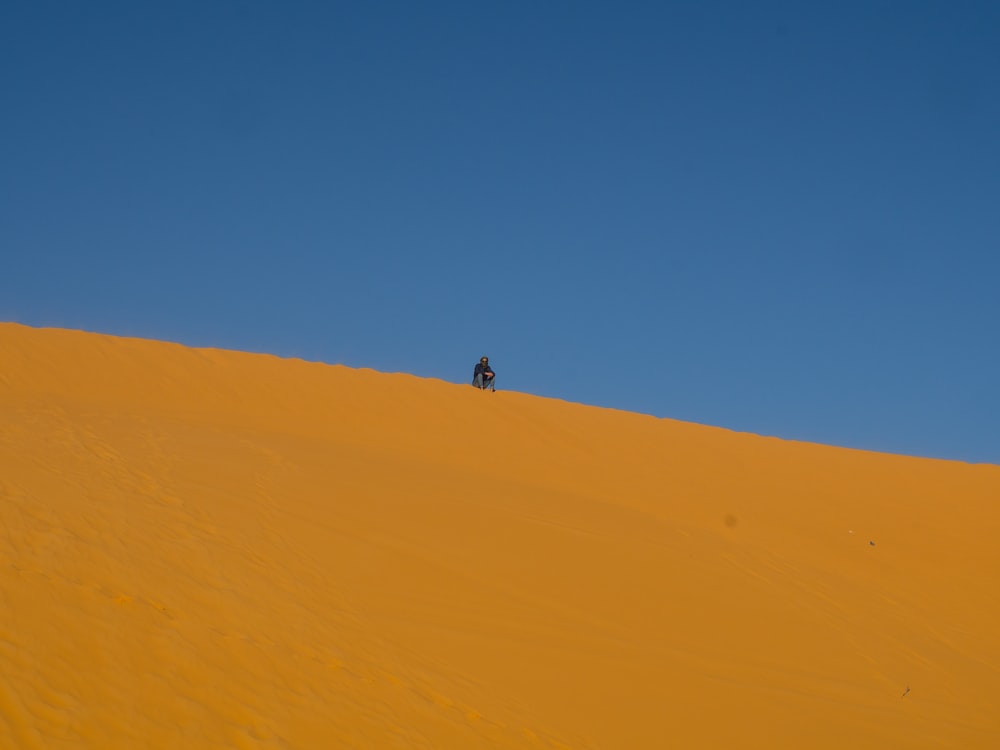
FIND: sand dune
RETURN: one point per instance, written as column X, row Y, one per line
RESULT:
column 211, row 549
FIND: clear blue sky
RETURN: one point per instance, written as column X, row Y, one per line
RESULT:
column 777, row 217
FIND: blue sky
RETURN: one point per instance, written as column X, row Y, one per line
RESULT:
column 776, row 217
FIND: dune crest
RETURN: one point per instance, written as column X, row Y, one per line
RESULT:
column 207, row 549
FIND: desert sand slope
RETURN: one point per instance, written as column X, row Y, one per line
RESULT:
column 210, row 549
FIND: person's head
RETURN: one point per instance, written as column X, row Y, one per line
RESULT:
column 484, row 360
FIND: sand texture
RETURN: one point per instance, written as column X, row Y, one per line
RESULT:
column 213, row 549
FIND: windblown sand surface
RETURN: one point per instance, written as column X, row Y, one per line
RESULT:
column 208, row 549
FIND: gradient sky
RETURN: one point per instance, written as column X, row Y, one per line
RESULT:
column 776, row 217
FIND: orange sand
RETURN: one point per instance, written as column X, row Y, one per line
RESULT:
column 210, row 549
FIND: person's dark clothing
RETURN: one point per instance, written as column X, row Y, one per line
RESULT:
column 483, row 375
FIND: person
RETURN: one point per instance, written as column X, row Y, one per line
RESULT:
column 483, row 376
